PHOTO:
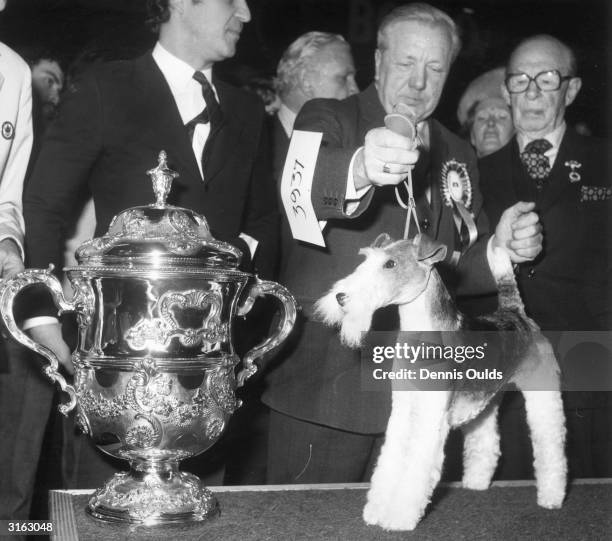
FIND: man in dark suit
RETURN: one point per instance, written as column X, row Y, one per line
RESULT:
column 567, row 287
column 114, row 122
column 315, row 65
column 324, row 427
column 118, row 117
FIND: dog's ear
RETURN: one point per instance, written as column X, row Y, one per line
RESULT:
column 429, row 250
column 381, row 241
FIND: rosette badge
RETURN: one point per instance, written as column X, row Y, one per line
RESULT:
column 456, row 191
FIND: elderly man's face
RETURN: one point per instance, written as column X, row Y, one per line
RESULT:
column 413, row 68
column 212, row 27
column 492, row 127
column 536, row 112
column 333, row 73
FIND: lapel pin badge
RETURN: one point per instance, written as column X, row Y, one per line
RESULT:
column 574, row 176
column 8, row 130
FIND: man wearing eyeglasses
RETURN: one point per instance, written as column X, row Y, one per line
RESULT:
column 567, row 286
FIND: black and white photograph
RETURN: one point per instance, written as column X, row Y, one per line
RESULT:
column 305, row 269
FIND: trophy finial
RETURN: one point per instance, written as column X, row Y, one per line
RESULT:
column 162, row 177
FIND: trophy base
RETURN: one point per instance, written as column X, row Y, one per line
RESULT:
column 153, row 493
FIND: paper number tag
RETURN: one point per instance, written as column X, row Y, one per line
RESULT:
column 296, row 186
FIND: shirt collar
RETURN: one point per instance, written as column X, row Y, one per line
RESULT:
column 177, row 72
column 186, row 91
column 554, row 138
column 287, row 118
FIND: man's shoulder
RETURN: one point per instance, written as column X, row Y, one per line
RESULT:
column 586, row 143
column 318, row 112
column 330, row 104
column 118, row 71
column 11, row 62
column 241, row 100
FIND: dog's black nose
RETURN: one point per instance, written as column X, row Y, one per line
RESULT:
column 341, row 298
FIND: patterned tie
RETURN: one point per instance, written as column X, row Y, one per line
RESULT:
column 537, row 164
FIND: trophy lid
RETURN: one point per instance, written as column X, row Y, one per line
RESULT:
column 158, row 235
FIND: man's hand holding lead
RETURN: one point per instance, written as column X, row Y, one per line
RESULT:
column 385, row 159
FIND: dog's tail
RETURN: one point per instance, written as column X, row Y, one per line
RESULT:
column 503, row 273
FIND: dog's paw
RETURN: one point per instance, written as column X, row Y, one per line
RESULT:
column 551, row 502
column 371, row 514
column 475, row 483
column 374, row 515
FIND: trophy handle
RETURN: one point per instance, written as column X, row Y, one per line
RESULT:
column 287, row 320
column 9, row 289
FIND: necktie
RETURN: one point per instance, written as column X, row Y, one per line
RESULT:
column 202, row 118
column 536, row 162
column 213, row 111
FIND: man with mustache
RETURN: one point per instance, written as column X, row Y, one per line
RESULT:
column 116, row 119
column 324, row 426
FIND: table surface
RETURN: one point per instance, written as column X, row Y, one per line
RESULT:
column 508, row 510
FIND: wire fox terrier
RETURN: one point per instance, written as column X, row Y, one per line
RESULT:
column 411, row 459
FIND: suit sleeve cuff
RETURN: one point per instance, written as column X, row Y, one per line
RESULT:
column 250, row 242
column 16, row 241
column 353, row 196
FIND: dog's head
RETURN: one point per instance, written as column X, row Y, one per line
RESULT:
column 394, row 272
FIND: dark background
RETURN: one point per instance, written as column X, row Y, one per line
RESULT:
column 490, row 29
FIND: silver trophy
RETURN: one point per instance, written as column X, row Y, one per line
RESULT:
column 155, row 368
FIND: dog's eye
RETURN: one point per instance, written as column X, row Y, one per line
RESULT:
column 389, row 264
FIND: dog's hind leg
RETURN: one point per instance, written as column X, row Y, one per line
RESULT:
column 418, row 471
column 546, row 421
column 481, row 449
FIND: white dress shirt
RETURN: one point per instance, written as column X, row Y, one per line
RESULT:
column 187, row 94
column 287, row 118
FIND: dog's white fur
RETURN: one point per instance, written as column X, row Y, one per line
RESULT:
column 411, row 459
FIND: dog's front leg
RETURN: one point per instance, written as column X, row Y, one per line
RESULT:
column 407, row 485
column 398, row 439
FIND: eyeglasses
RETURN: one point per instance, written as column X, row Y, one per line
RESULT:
column 546, row 81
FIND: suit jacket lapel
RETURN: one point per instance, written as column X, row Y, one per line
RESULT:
column 221, row 145
column 166, row 131
column 372, row 112
column 439, row 152
column 280, row 146
column 559, row 175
